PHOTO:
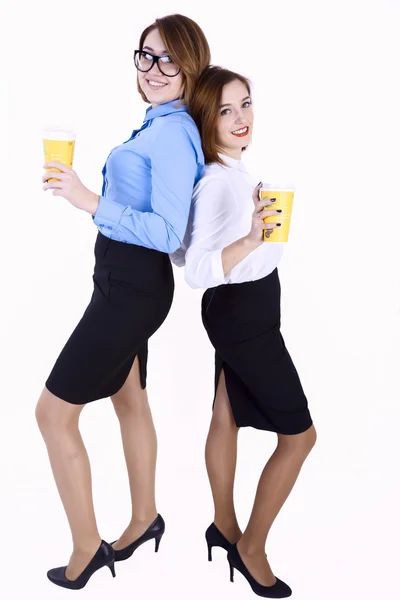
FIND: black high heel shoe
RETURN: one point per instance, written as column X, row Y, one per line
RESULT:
column 155, row 531
column 104, row 557
column 280, row 589
column 215, row 538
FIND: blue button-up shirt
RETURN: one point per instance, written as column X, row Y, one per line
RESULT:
column 148, row 181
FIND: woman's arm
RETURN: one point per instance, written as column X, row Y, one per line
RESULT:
column 208, row 261
column 174, row 165
column 232, row 255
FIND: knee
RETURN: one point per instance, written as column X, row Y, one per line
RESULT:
column 42, row 413
column 301, row 443
column 128, row 406
column 53, row 414
column 220, row 422
column 310, row 439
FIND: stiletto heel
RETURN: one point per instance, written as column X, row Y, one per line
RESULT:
column 280, row 589
column 209, row 552
column 158, row 540
column 155, row 531
column 215, row 538
column 104, row 557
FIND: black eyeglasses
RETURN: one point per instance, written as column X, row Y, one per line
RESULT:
column 144, row 61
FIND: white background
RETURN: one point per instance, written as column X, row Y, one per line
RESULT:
column 324, row 76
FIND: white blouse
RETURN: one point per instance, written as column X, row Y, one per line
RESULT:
column 220, row 214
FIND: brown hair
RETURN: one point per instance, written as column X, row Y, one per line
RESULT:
column 205, row 107
column 186, row 44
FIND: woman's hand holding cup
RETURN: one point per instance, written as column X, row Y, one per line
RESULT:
column 261, row 212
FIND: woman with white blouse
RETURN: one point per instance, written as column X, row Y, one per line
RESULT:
column 256, row 383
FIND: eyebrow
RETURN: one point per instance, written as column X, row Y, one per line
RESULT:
column 151, row 50
column 222, row 105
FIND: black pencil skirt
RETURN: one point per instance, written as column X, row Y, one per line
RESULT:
column 133, row 291
column 243, row 323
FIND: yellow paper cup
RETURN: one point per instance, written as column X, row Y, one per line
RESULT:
column 284, row 201
column 59, row 145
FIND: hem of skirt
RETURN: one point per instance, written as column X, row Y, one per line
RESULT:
column 108, row 394
column 301, row 429
column 275, row 430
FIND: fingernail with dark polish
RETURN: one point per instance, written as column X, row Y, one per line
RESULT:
column 273, row 199
column 278, row 224
column 259, row 183
column 278, row 210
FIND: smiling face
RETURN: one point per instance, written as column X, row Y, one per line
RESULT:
column 158, row 88
column 235, row 121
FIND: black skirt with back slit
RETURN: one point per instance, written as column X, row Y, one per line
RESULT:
column 243, row 323
column 132, row 295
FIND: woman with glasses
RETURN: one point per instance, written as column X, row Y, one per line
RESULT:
column 256, row 382
column 141, row 217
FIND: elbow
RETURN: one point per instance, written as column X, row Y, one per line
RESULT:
column 190, row 276
column 191, row 281
column 173, row 246
column 173, row 241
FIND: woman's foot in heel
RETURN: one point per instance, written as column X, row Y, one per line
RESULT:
column 255, row 568
column 154, row 531
column 65, row 576
column 215, row 537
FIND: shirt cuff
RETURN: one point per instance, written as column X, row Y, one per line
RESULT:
column 108, row 211
column 217, row 269
column 178, row 257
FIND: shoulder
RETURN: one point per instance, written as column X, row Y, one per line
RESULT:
column 179, row 133
column 214, row 176
column 213, row 188
column 179, row 123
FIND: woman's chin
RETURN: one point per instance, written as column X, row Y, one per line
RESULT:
column 157, row 98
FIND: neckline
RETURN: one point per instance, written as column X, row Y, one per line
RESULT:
column 233, row 162
column 164, row 109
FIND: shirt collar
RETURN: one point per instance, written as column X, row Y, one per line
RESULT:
column 164, row 109
column 233, row 162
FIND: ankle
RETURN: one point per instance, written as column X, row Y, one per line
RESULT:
column 87, row 547
column 143, row 518
column 230, row 530
column 224, row 525
column 251, row 548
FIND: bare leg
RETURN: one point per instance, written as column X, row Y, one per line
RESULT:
column 140, row 448
column 221, row 453
column 276, row 482
column 58, row 422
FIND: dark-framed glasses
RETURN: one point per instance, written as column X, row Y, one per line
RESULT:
column 144, row 61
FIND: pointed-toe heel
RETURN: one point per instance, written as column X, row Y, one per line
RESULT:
column 154, row 532
column 215, row 538
column 104, row 557
column 280, row 589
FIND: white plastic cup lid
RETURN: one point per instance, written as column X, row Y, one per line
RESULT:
column 57, row 133
column 278, row 187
